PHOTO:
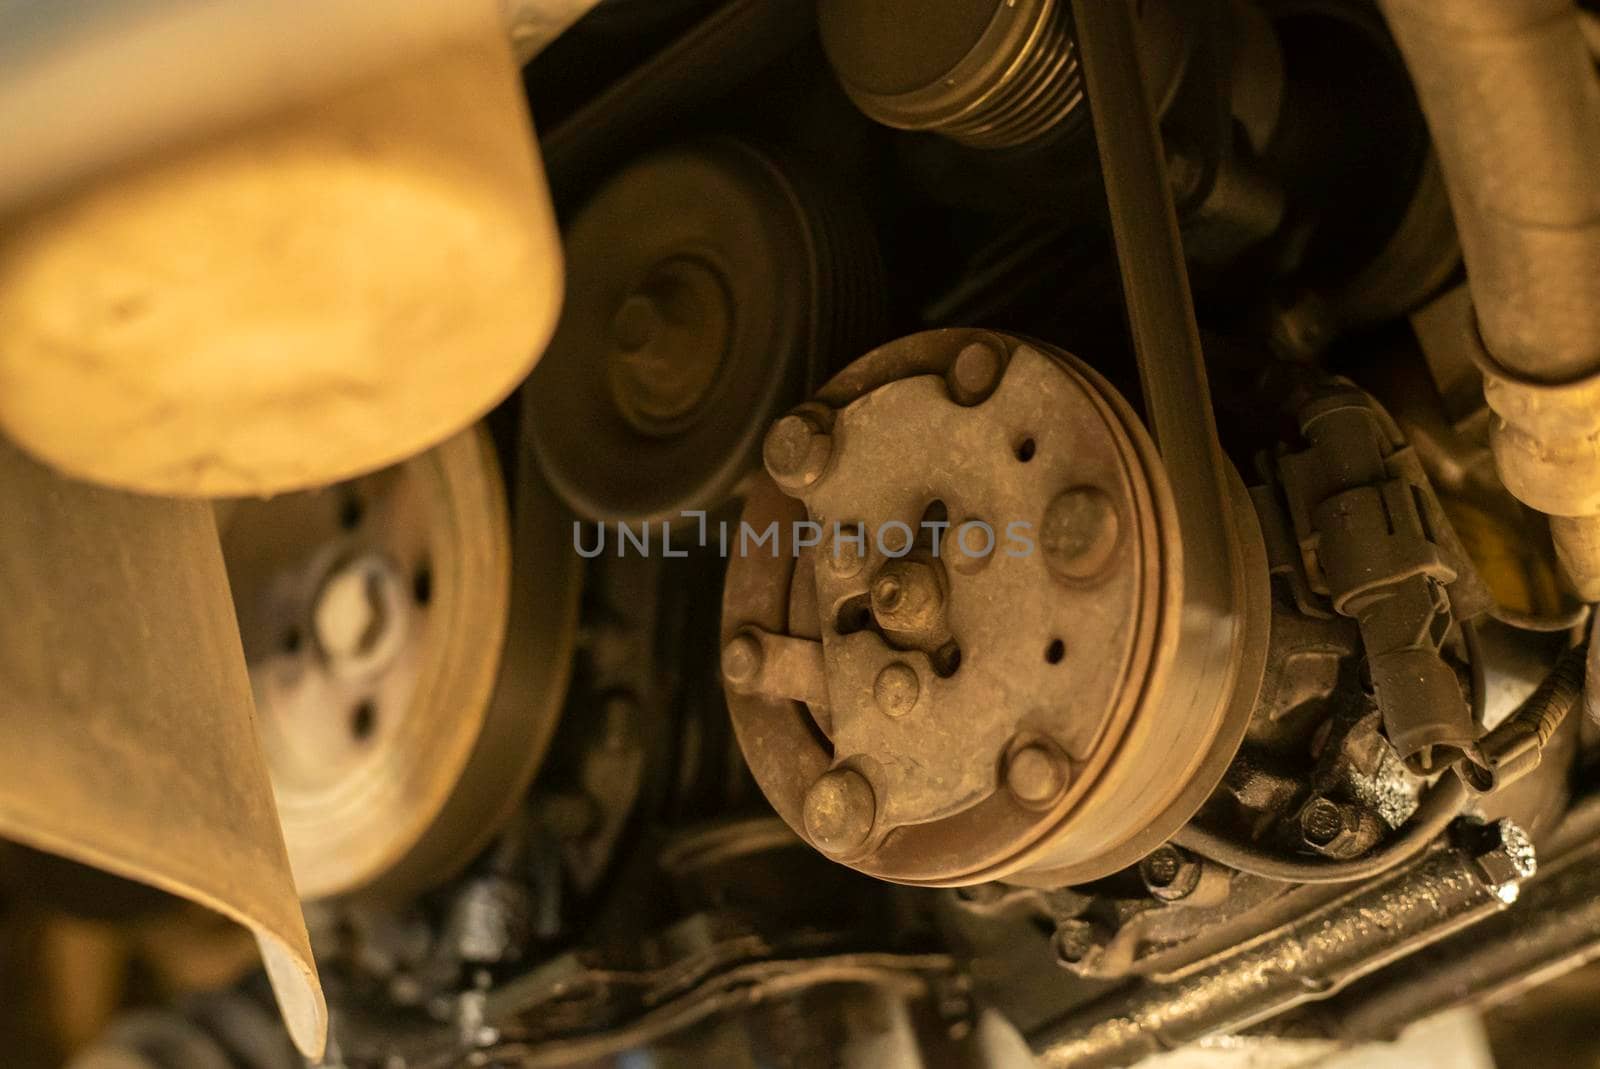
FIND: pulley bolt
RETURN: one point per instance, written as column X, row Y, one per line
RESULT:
column 358, row 616
column 907, row 596
column 975, row 373
column 796, row 451
column 741, row 660
column 1034, row 776
column 1079, row 532
column 896, row 689
column 635, row 323
column 1170, row 874
column 839, row 810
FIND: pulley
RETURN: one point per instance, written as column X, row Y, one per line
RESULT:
column 709, row 285
column 375, row 618
column 965, row 657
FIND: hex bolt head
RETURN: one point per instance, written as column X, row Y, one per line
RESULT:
column 839, row 810
column 975, row 372
column 796, row 451
column 1079, row 532
column 1338, row 830
column 1079, row 944
column 1503, row 855
column 741, row 659
column 1170, row 874
column 1321, row 822
column 896, row 689
column 1035, row 776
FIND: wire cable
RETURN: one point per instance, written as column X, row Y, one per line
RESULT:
column 1440, row 804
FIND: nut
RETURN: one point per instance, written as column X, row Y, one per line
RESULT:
column 896, row 689
column 741, row 659
column 1079, row 532
column 839, row 810
column 796, row 451
column 1170, row 874
column 1035, row 776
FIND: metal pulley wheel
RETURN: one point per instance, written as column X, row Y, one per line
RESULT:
column 374, row 617
column 965, row 659
column 708, row 287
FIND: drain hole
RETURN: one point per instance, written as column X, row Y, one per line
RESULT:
column 350, row 512
column 363, row 718
column 1055, row 651
column 422, row 585
column 292, row 640
column 946, row 659
column 1025, row 450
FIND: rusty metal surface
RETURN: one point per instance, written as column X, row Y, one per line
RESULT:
column 127, row 713
column 1551, row 929
column 990, row 707
column 1444, row 891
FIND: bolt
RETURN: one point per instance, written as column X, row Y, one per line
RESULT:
column 975, row 372
column 1034, row 776
column 1336, row 830
column 1321, row 822
column 1184, row 175
column 839, row 810
column 907, row 596
column 359, row 615
column 490, row 920
column 1079, row 944
column 796, row 451
column 896, row 689
column 1503, row 855
column 1170, row 874
column 741, row 660
column 635, row 323
column 1079, row 532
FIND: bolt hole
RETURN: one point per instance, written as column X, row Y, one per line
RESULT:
column 363, row 718
column 1025, row 449
column 854, row 615
column 350, row 512
column 935, row 517
column 946, row 660
column 292, row 639
column 1055, row 651
column 422, row 585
